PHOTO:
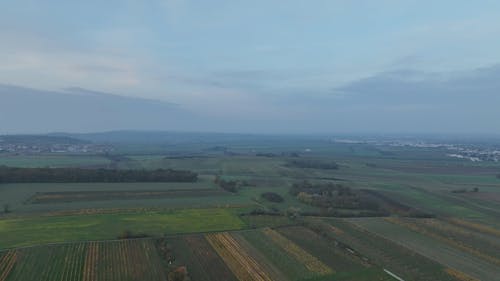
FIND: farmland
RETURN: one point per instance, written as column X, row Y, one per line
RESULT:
column 119, row 260
column 435, row 218
column 203, row 262
column 262, row 254
column 18, row 232
column 432, row 248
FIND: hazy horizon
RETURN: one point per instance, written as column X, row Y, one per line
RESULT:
column 261, row 67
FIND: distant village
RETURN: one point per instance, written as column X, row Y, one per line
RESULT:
column 8, row 146
column 471, row 152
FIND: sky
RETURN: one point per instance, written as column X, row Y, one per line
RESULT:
column 259, row 66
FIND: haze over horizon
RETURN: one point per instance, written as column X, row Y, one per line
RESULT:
column 250, row 66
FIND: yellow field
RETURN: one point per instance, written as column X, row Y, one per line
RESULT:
column 459, row 275
column 244, row 267
column 310, row 262
column 475, row 226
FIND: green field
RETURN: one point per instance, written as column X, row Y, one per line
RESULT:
column 431, row 248
column 20, row 196
column 17, row 232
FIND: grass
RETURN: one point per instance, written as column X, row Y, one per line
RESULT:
column 260, row 221
column 25, row 231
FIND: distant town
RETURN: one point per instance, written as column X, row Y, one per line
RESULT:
column 473, row 152
column 40, row 145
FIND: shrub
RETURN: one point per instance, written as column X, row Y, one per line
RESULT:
column 272, row 197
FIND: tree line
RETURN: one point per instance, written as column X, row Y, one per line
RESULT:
column 62, row 175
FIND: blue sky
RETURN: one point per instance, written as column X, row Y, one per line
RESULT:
column 341, row 65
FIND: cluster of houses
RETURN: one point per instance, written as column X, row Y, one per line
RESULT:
column 19, row 148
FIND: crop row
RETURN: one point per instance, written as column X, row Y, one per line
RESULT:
column 309, row 261
column 128, row 260
column 7, row 262
column 274, row 255
column 210, row 264
column 62, row 262
column 329, row 252
column 93, row 261
column 243, row 265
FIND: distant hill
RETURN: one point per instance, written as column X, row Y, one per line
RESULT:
column 171, row 137
column 40, row 140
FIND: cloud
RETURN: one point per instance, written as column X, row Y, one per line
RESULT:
column 405, row 85
column 50, row 69
column 79, row 110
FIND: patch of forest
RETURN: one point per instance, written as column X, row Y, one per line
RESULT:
column 66, row 175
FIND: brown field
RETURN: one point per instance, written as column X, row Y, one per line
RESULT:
column 244, row 266
column 330, row 253
column 310, row 262
column 7, row 262
column 131, row 260
column 91, row 261
column 268, row 265
column 204, row 263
